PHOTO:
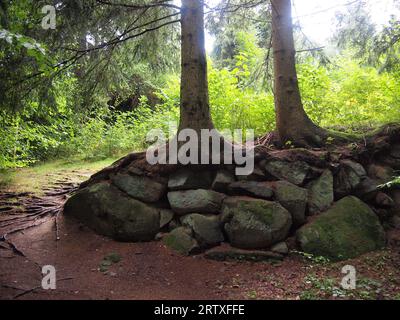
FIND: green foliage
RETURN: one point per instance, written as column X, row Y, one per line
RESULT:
column 313, row 258
column 349, row 96
column 393, row 183
column 33, row 49
column 321, row 288
column 232, row 107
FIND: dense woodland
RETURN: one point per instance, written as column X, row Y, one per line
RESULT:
column 94, row 86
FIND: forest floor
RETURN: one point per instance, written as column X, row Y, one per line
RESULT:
column 150, row 270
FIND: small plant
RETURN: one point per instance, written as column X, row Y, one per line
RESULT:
column 108, row 261
column 252, row 294
column 393, row 183
column 321, row 288
column 315, row 259
column 330, row 140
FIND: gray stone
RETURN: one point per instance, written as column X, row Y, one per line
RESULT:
column 222, row 179
column 257, row 175
column 320, row 193
column 251, row 188
column 366, row 189
column 166, row 217
column 181, row 240
column 292, row 198
column 139, row 187
column 280, row 248
column 350, row 175
column 185, row 179
column 295, row 172
column 254, row 223
column 206, row 229
column 348, row 229
column 110, row 212
column 199, row 201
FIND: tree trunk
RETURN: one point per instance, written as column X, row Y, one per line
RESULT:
column 194, row 103
column 292, row 122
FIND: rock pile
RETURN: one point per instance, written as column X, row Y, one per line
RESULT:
column 331, row 203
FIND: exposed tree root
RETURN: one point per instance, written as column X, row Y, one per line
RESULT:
column 315, row 151
column 27, row 210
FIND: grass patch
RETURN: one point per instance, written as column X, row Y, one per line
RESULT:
column 33, row 179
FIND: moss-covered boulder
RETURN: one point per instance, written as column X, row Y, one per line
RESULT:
column 110, row 212
column 347, row 230
column 206, row 229
column 181, row 240
column 254, row 223
column 139, row 187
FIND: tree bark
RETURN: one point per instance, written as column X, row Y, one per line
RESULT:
column 292, row 122
column 194, row 102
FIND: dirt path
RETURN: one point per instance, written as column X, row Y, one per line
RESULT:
column 151, row 271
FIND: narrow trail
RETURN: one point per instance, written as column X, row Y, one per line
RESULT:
column 20, row 211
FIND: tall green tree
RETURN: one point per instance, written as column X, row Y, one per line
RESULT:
column 194, row 102
column 292, row 123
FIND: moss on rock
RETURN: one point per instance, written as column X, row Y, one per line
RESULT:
column 347, row 230
column 255, row 223
column 110, row 212
column 181, row 240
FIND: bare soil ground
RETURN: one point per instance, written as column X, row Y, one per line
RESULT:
column 151, row 271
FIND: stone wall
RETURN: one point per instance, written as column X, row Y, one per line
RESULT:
column 331, row 203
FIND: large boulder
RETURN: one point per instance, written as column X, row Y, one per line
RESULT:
column 251, row 188
column 199, row 201
column 350, row 175
column 320, row 193
column 347, row 230
column 295, row 172
column 254, row 223
column 139, row 187
column 181, row 240
column 110, row 212
column 185, row 179
column 206, row 229
column 292, row 198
